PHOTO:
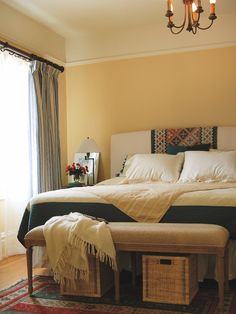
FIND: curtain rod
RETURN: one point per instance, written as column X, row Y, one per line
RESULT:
column 27, row 56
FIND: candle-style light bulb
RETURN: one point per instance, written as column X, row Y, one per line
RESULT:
column 194, row 7
column 169, row 5
column 212, row 6
column 194, row 10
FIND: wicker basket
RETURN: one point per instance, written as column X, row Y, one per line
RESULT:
column 169, row 279
column 101, row 279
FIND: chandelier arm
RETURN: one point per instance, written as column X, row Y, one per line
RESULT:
column 178, row 32
column 205, row 28
column 181, row 27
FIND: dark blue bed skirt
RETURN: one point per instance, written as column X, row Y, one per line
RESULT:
column 40, row 213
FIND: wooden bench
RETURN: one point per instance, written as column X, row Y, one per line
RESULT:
column 173, row 238
column 160, row 238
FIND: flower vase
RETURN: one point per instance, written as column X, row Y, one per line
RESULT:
column 78, row 179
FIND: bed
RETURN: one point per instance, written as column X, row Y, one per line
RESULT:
column 202, row 190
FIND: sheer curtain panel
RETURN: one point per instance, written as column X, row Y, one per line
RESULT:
column 45, row 78
column 15, row 157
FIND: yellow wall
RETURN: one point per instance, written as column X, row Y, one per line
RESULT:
column 175, row 90
column 97, row 100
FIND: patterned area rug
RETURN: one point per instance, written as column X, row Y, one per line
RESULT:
column 47, row 299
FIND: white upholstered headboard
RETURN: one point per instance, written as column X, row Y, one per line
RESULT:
column 141, row 142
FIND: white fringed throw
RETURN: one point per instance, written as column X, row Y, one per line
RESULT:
column 69, row 240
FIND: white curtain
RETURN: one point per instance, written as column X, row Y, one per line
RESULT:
column 15, row 150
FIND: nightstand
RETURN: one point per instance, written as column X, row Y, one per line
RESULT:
column 73, row 185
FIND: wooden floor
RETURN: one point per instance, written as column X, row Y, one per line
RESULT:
column 13, row 269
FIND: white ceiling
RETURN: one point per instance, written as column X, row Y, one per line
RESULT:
column 96, row 29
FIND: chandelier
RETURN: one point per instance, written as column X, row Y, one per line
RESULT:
column 192, row 14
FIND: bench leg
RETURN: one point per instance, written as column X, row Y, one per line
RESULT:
column 29, row 269
column 227, row 269
column 221, row 279
column 117, row 280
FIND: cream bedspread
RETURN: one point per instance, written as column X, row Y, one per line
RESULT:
column 149, row 202
column 144, row 202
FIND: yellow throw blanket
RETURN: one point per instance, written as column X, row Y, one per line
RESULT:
column 69, row 240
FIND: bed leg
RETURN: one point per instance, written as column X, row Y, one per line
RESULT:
column 133, row 267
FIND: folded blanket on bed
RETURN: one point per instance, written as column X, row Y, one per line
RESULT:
column 69, row 240
column 149, row 202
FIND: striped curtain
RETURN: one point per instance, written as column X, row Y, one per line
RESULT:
column 45, row 80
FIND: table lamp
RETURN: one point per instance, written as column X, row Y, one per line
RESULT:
column 88, row 146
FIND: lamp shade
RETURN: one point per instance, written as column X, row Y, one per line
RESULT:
column 88, row 145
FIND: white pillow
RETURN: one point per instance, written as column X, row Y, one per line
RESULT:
column 124, row 165
column 211, row 166
column 154, row 167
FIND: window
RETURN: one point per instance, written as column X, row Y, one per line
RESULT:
column 15, row 150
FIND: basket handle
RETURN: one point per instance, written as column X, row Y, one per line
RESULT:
column 165, row 261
